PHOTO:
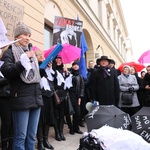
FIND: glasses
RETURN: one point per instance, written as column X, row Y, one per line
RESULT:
column 39, row 55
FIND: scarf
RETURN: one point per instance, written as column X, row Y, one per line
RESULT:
column 106, row 71
column 60, row 68
column 75, row 72
column 126, row 75
column 34, row 75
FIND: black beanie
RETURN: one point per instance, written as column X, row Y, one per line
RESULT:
column 112, row 61
column 75, row 63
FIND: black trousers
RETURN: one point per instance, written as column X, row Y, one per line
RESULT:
column 130, row 110
column 59, row 113
column 83, row 108
column 6, row 122
column 77, row 110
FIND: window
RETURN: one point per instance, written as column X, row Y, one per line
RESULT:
column 48, row 37
column 87, row 1
column 114, row 31
column 108, row 23
column 100, row 10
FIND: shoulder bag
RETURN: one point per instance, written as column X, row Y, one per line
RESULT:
column 68, row 106
column 127, row 98
column 56, row 98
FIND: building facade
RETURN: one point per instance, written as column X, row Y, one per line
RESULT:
column 103, row 24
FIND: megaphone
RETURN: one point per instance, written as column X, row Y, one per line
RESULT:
column 88, row 106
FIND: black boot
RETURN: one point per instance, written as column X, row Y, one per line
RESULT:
column 45, row 140
column 71, row 131
column 70, row 125
column 47, row 144
column 61, row 125
column 40, row 145
column 10, row 143
column 62, row 136
column 57, row 136
column 4, row 144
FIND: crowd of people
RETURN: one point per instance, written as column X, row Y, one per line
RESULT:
column 28, row 104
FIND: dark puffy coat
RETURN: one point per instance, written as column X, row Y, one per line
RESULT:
column 23, row 95
column 146, row 98
column 4, row 93
column 105, row 90
column 78, row 84
column 47, row 111
column 4, row 87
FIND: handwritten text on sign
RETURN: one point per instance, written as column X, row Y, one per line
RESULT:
column 140, row 121
column 10, row 13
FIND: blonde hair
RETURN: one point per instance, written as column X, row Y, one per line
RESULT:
column 39, row 51
column 3, row 50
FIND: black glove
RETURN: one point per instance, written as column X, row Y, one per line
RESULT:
column 131, row 89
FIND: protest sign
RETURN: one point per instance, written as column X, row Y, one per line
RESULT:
column 67, row 31
column 10, row 13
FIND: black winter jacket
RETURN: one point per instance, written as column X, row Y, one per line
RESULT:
column 105, row 90
column 4, row 87
column 78, row 83
column 23, row 95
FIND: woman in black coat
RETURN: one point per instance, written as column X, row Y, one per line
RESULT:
column 47, row 111
column 146, row 100
column 22, row 70
column 5, row 112
column 59, row 81
column 105, row 85
column 76, row 92
column 140, row 92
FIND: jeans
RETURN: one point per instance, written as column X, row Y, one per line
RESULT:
column 25, row 128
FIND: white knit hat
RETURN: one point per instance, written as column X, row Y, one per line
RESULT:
column 126, row 66
column 21, row 28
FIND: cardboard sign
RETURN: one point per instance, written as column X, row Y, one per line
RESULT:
column 6, row 43
column 3, row 39
column 3, row 30
column 10, row 13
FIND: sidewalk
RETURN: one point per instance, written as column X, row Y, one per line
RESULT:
column 71, row 143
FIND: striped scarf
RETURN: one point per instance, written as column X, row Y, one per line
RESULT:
column 34, row 75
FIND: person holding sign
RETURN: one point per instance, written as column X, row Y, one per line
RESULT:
column 22, row 70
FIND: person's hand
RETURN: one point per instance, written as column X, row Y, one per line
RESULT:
column 131, row 89
column 147, row 87
column 79, row 101
column 66, row 70
column 30, row 54
column 49, row 65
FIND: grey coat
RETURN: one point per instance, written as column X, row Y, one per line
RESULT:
column 124, row 84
